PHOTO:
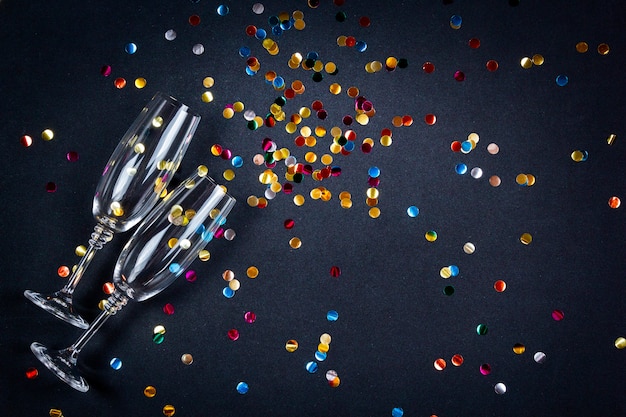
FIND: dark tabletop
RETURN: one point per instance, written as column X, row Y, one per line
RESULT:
column 564, row 295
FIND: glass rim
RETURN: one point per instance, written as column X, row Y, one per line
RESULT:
column 176, row 102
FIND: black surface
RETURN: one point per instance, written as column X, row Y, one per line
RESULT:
column 394, row 320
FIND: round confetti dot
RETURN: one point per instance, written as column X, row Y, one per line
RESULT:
column 234, row 284
column 26, row 141
column 130, row 48
column 119, row 83
column 526, row 62
column 168, row 309
column 539, row 357
column 222, row 10
column 474, row 43
column 459, row 76
column 469, row 248
column 500, row 388
column 291, row 345
column 440, row 364
column 168, row 410
column 485, row 369
column 577, row 156
column 476, row 172
column 32, row 373
column 448, row 290
column 493, row 148
column 457, row 360
column 526, row 238
column 228, row 292
column 495, row 181
column 158, row 329
column 521, row 179
column 620, row 343
column 252, row 272
column 242, row 388
column 198, row 49
column 614, row 202
column 295, row 243
column 331, row 374
column 47, row 135
column 374, row 212
column 106, row 70
column 233, row 334
column 460, row 169
column 430, row 119
column 158, row 338
column 332, row 315
column 397, row 412
column 140, row 83
column 603, row 49
column 249, row 317
column 538, row 59
column 204, row 255
column 499, row 286
column 412, row 211
column 431, row 235
column 170, row 34
column 519, row 348
column 149, row 391
column 562, row 80
column 51, row 187
column 492, row 65
column 481, row 329
column 194, row 20
column 72, row 156
column 582, row 47
column 445, row 272
column 373, row 172
column 63, row 271
column 428, row 67
column 229, row 234
column 558, row 315
column 456, row 21
column 186, row 359
column 116, row 364
column 335, row 271
column 207, row 97
column 311, row 367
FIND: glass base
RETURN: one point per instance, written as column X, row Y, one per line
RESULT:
column 59, row 304
column 62, row 364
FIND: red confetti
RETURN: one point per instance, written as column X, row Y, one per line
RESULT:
column 51, row 187
column 32, row 373
column 168, row 309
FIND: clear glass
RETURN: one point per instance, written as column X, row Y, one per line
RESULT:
column 132, row 182
column 160, row 250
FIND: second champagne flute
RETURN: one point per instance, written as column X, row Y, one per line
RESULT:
column 132, row 182
column 160, row 250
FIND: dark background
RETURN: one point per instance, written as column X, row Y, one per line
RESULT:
column 394, row 321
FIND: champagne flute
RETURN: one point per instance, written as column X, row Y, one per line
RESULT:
column 133, row 179
column 160, row 250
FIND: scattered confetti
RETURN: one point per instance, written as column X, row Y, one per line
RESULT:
column 26, row 141
column 116, row 364
column 149, row 391
column 500, row 388
column 539, row 357
column 242, row 388
column 32, row 373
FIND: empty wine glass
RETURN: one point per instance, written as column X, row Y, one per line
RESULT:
column 159, row 251
column 133, row 179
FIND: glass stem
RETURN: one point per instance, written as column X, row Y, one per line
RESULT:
column 115, row 302
column 100, row 236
